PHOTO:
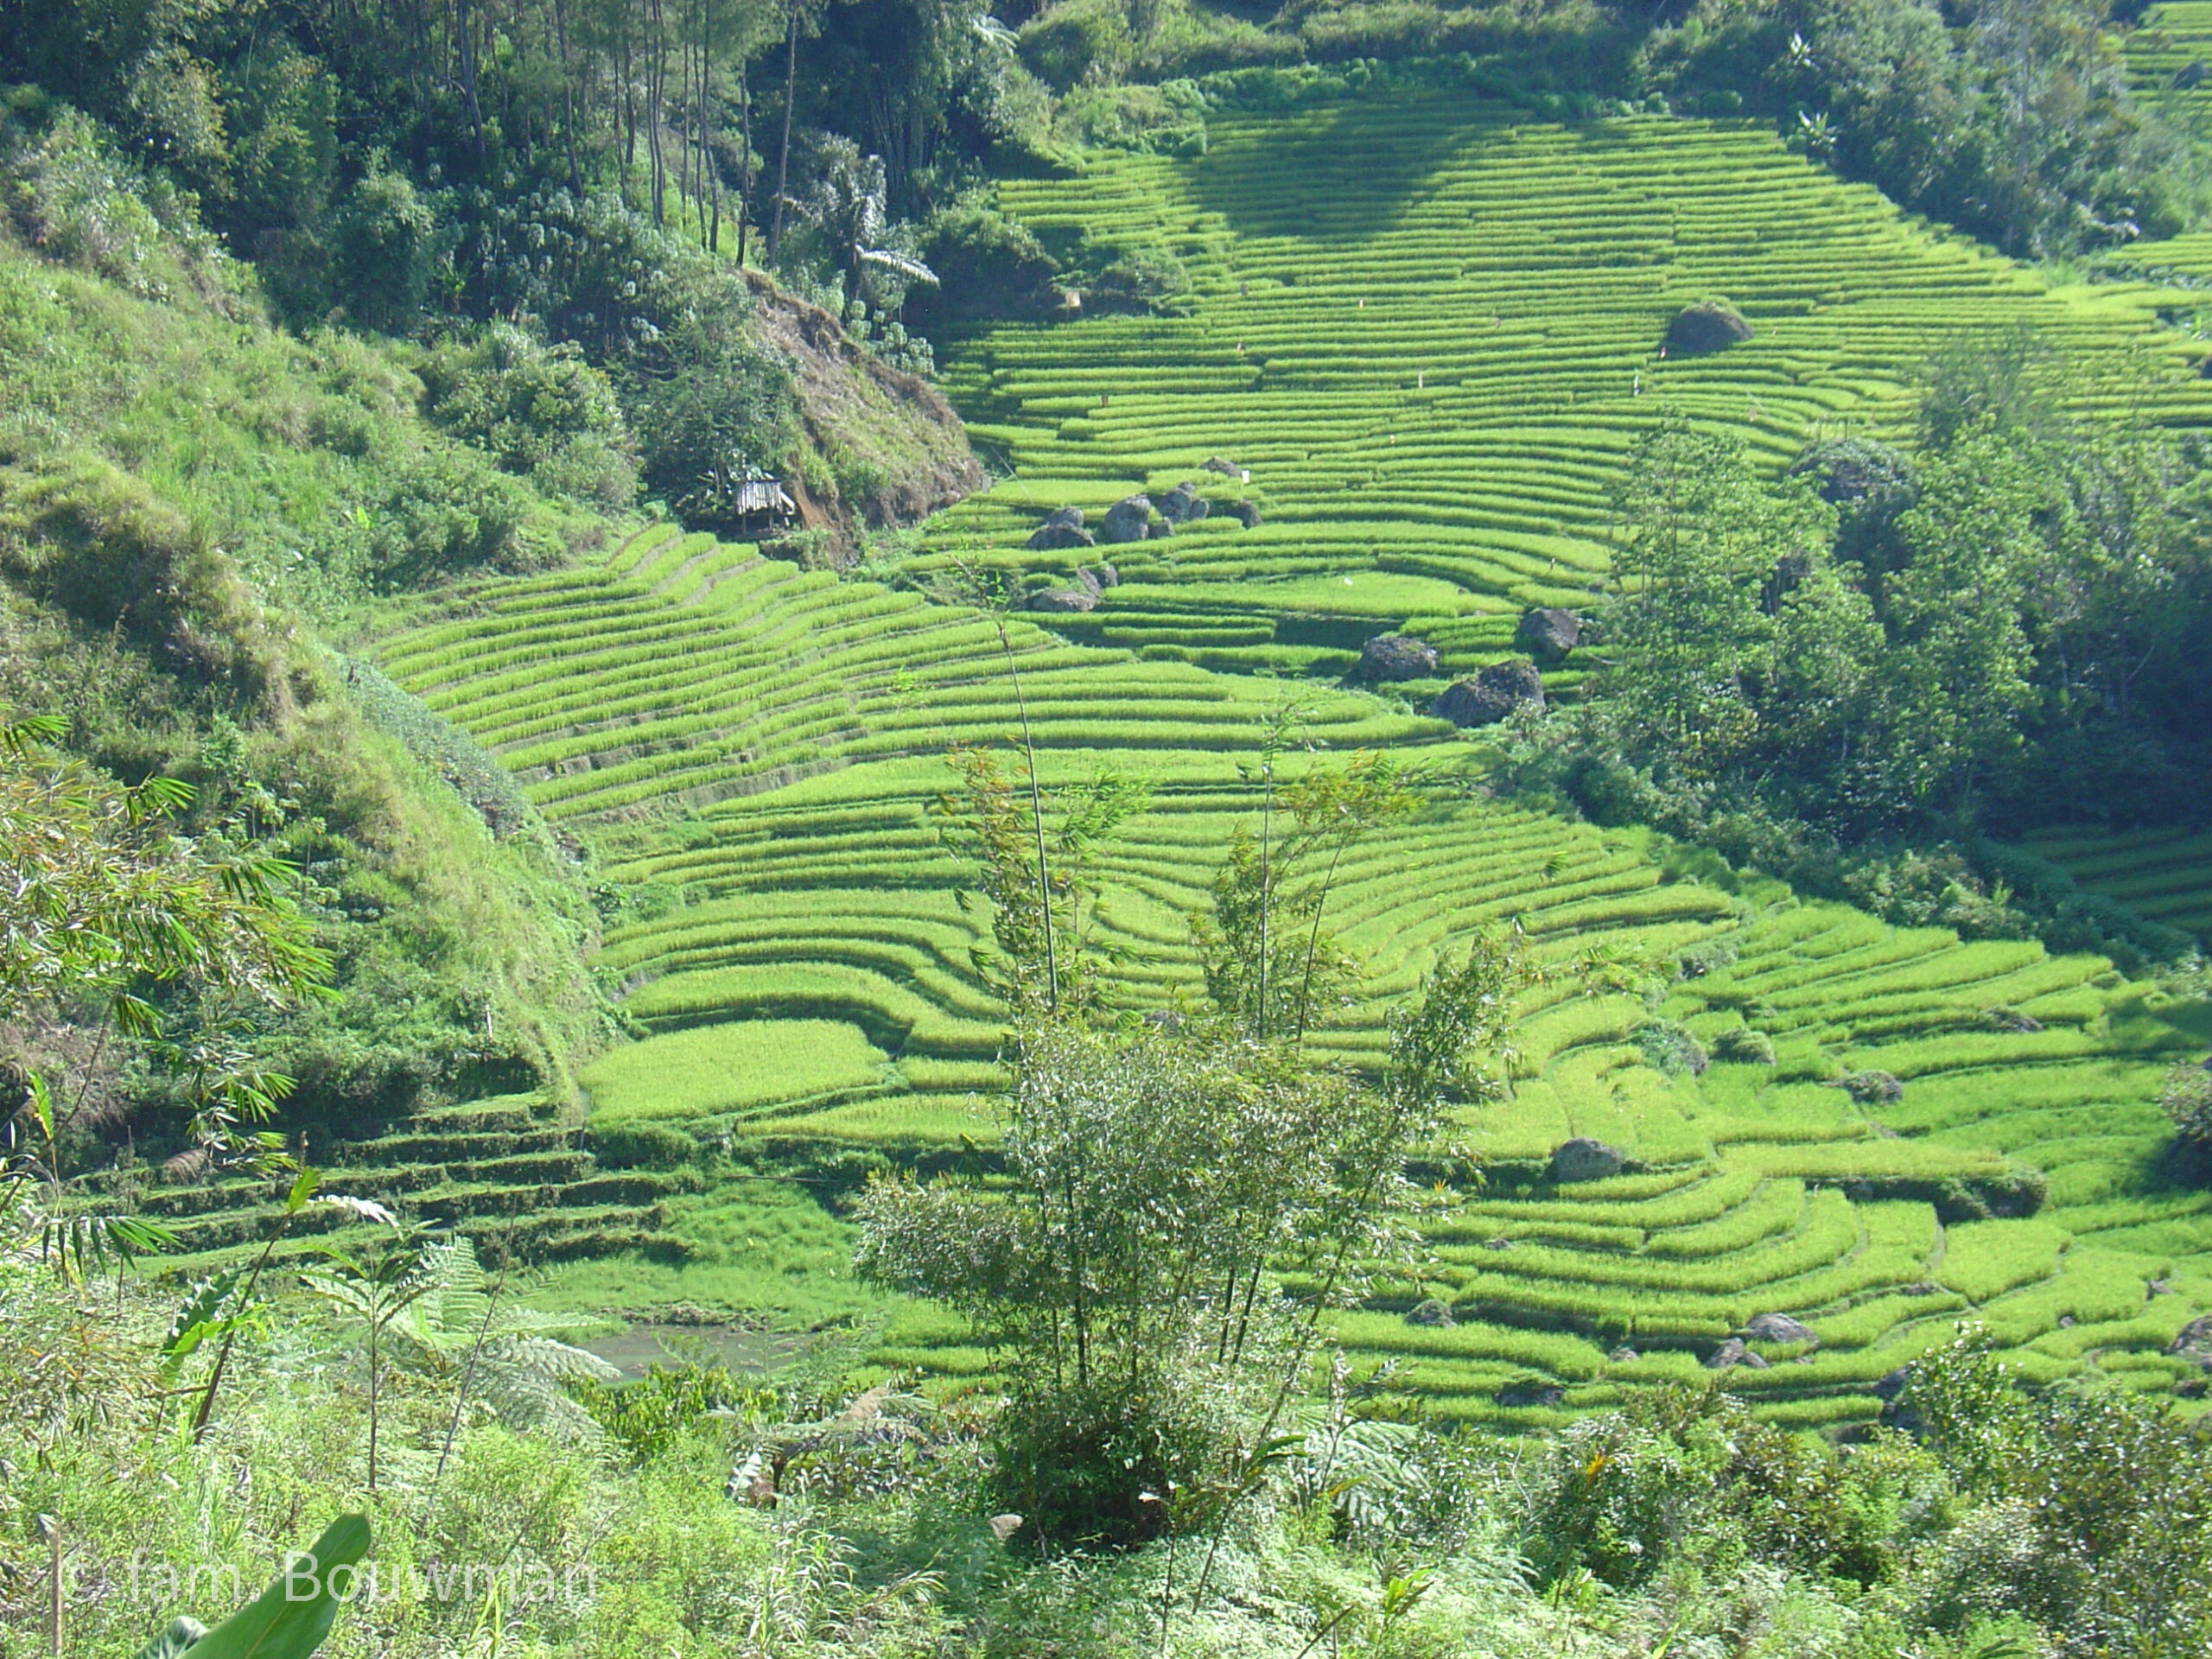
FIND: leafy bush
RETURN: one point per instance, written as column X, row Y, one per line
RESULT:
column 641, row 1144
column 383, row 245
column 987, row 265
column 540, row 412
column 2186, row 1099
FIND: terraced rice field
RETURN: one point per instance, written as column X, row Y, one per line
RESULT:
column 751, row 751
column 1430, row 329
column 2169, row 56
column 2163, row 874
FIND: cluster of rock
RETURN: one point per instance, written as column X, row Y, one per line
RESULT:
column 1090, row 581
column 1547, row 634
column 1778, row 1328
column 1493, row 694
column 1143, row 517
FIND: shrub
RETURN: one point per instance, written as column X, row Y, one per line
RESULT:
column 1873, row 1088
column 1744, row 1045
column 1668, row 1047
column 987, row 265
column 383, row 246
column 2186, row 1099
column 641, row 1145
column 538, row 410
column 1140, row 280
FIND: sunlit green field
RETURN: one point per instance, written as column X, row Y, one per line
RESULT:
column 1430, row 329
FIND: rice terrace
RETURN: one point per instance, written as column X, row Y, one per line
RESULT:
column 709, row 721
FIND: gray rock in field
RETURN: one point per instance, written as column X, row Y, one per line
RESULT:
column 1873, row 1088
column 1530, row 1394
column 1063, row 530
column 1105, row 574
column 1893, row 1384
column 1733, row 1352
column 1498, row 1243
column 1492, row 695
column 1246, row 513
column 2192, row 76
column 1623, row 1355
column 1548, row 634
column 1183, row 504
column 1228, row 468
column 1707, row 327
column 1129, row 519
column 1432, row 1313
column 1396, row 656
column 2011, row 1019
column 1778, row 1327
column 2194, row 1343
column 1584, row 1159
column 1063, row 600
column 1086, row 581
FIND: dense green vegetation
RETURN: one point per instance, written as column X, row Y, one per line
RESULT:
column 1501, row 952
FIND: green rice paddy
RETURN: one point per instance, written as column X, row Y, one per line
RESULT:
column 1430, row 329
column 2163, row 874
column 751, row 752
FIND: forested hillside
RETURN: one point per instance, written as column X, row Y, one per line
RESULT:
column 902, row 827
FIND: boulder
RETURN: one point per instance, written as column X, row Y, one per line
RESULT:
column 1622, row 1354
column 1105, row 574
column 1053, row 538
column 1733, row 1352
column 1396, row 656
column 1548, row 634
column 1892, row 1384
column 1432, row 1313
column 1492, row 695
column 2011, row 1019
column 1707, row 327
column 1063, row 599
column 1086, row 581
column 1498, row 1243
column 2194, row 1343
column 1873, row 1088
column 1228, row 468
column 1584, row 1159
column 1064, row 528
column 1530, row 1394
column 1183, row 504
column 1129, row 519
column 1246, row 513
column 1778, row 1327
column 2191, row 76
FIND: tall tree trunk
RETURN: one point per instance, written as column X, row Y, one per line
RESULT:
column 744, row 155
column 655, row 77
column 464, row 31
column 709, row 175
column 567, row 96
column 784, row 153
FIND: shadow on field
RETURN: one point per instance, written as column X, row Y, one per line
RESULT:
column 1343, row 173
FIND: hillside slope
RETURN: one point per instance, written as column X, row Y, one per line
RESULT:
column 752, row 752
column 1431, row 327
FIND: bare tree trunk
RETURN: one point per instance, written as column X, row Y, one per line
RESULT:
column 744, row 156
column 784, row 154
column 655, row 77
column 464, row 31
column 567, row 96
